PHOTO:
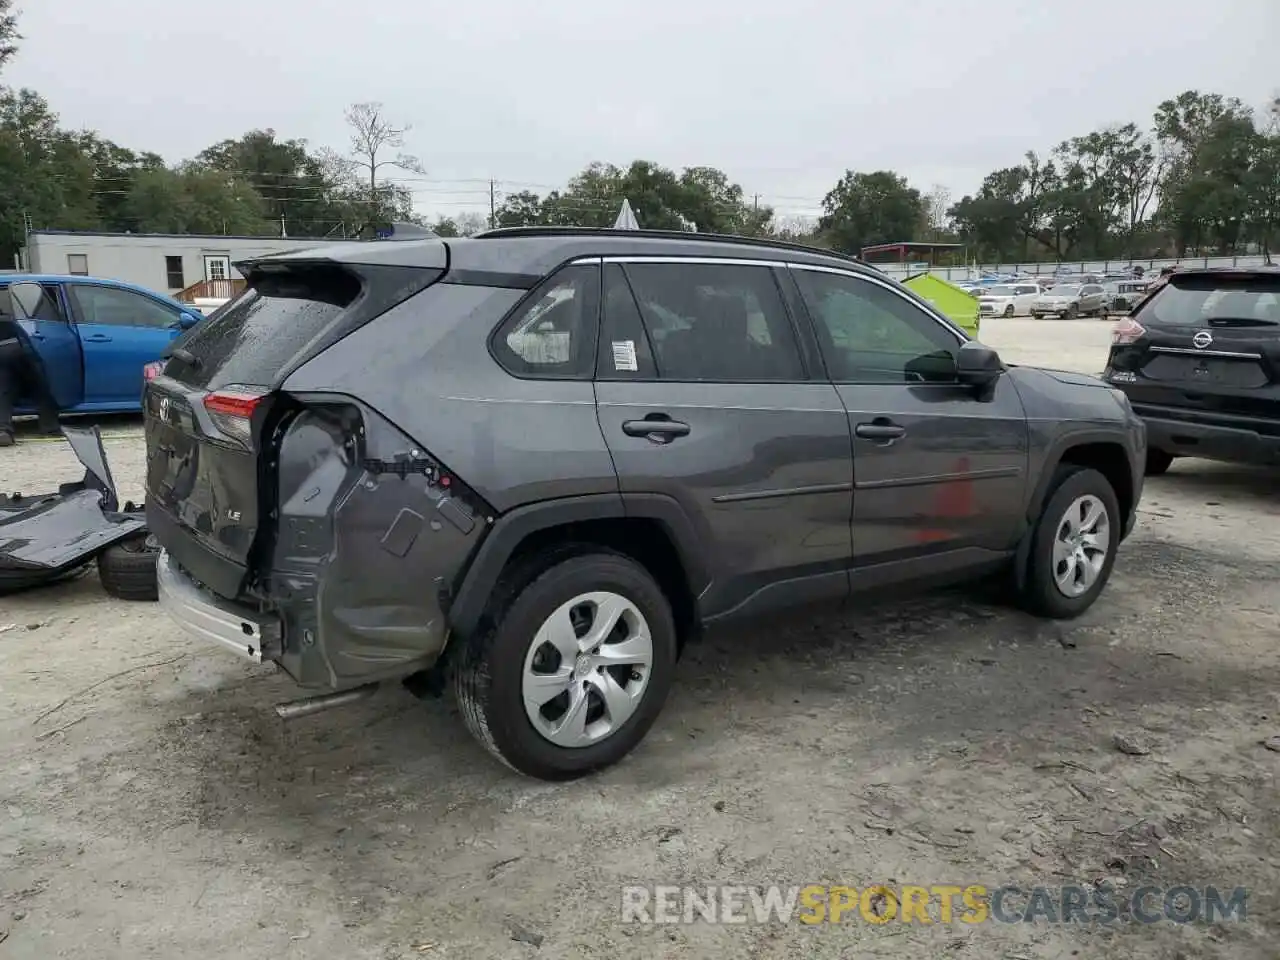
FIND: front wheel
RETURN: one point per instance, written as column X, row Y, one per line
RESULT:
column 1073, row 546
column 573, row 669
column 1008, row 311
column 1071, row 313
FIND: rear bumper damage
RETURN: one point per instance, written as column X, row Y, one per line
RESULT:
column 205, row 616
column 44, row 536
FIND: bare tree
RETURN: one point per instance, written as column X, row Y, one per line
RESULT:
column 470, row 223
column 939, row 201
column 373, row 137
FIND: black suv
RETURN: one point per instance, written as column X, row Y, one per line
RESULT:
column 1199, row 358
column 536, row 461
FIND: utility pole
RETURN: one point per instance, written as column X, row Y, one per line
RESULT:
column 493, row 206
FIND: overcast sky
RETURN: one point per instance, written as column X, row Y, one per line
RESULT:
column 782, row 96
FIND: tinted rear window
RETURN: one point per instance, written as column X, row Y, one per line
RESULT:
column 1192, row 301
column 252, row 339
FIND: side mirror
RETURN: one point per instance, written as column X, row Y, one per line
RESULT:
column 977, row 365
column 186, row 321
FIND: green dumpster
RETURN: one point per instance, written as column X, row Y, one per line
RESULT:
column 960, row 308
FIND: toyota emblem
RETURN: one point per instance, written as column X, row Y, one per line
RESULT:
column 1202, row 339
column 163, row 408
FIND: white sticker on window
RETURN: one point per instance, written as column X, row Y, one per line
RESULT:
column 624, row 355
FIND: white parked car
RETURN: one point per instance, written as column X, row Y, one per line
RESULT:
column 1008, row 300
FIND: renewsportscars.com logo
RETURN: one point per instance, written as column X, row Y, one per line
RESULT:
column 939, row 903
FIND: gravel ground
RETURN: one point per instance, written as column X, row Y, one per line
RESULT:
column 151, row 805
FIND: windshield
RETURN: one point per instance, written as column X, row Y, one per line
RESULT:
column 1198, row 301
column 1066, row 290
column 999, row 291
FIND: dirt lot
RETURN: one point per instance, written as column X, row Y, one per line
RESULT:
column 151, row 805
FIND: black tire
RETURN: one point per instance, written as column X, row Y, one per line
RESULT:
column 1072, row 312
column 128, row 569
column 1158, row 462
column 1008, row 311
column 1040, row 593
column 488, row 674
column 16, row 581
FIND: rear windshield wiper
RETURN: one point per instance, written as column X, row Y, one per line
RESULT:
column 186, row 356
column 1241, row 322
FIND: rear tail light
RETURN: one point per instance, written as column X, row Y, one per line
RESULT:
column 152, row 370
column 1127, row 330
column 231, row 411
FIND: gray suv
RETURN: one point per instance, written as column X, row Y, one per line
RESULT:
column 537, row 461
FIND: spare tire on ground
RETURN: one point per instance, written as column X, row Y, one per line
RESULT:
column 128, row 569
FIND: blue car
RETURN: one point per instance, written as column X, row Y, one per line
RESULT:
column 94, row 336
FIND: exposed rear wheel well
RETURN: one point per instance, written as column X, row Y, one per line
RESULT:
column 642, row 539
column 1110, row 460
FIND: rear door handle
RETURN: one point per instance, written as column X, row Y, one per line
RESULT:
column 658, row 430
column 97, row 338
column 882, row 431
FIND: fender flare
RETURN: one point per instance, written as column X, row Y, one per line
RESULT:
column 509, row 530
column 1041, row 492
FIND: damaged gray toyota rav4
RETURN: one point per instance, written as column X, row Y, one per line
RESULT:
column 534, row 462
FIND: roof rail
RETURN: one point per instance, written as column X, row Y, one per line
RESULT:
column 665, row 235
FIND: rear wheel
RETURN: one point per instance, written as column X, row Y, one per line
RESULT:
column 573, row 668
column 1073, row 545
column 128, row 569
column 1158, row 462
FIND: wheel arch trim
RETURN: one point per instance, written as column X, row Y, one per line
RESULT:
column 512, row 528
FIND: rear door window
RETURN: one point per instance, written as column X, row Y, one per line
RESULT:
column 625, row 350
column 716, row 322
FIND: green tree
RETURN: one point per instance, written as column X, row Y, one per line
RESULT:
column 444, row 227
column 699, row 198
column 298, row 195
column 1207, row 142
column 522, row 209
column 1016, row 215
column 1106, row 181
column 45, row 177
column 715, row 205
column 195, row 200
column 1262, row 185
column 9, row 35
column 870, row 208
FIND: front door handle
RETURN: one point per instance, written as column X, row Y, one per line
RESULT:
column 657, row 427
column 97, row 338
column 880, row 430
